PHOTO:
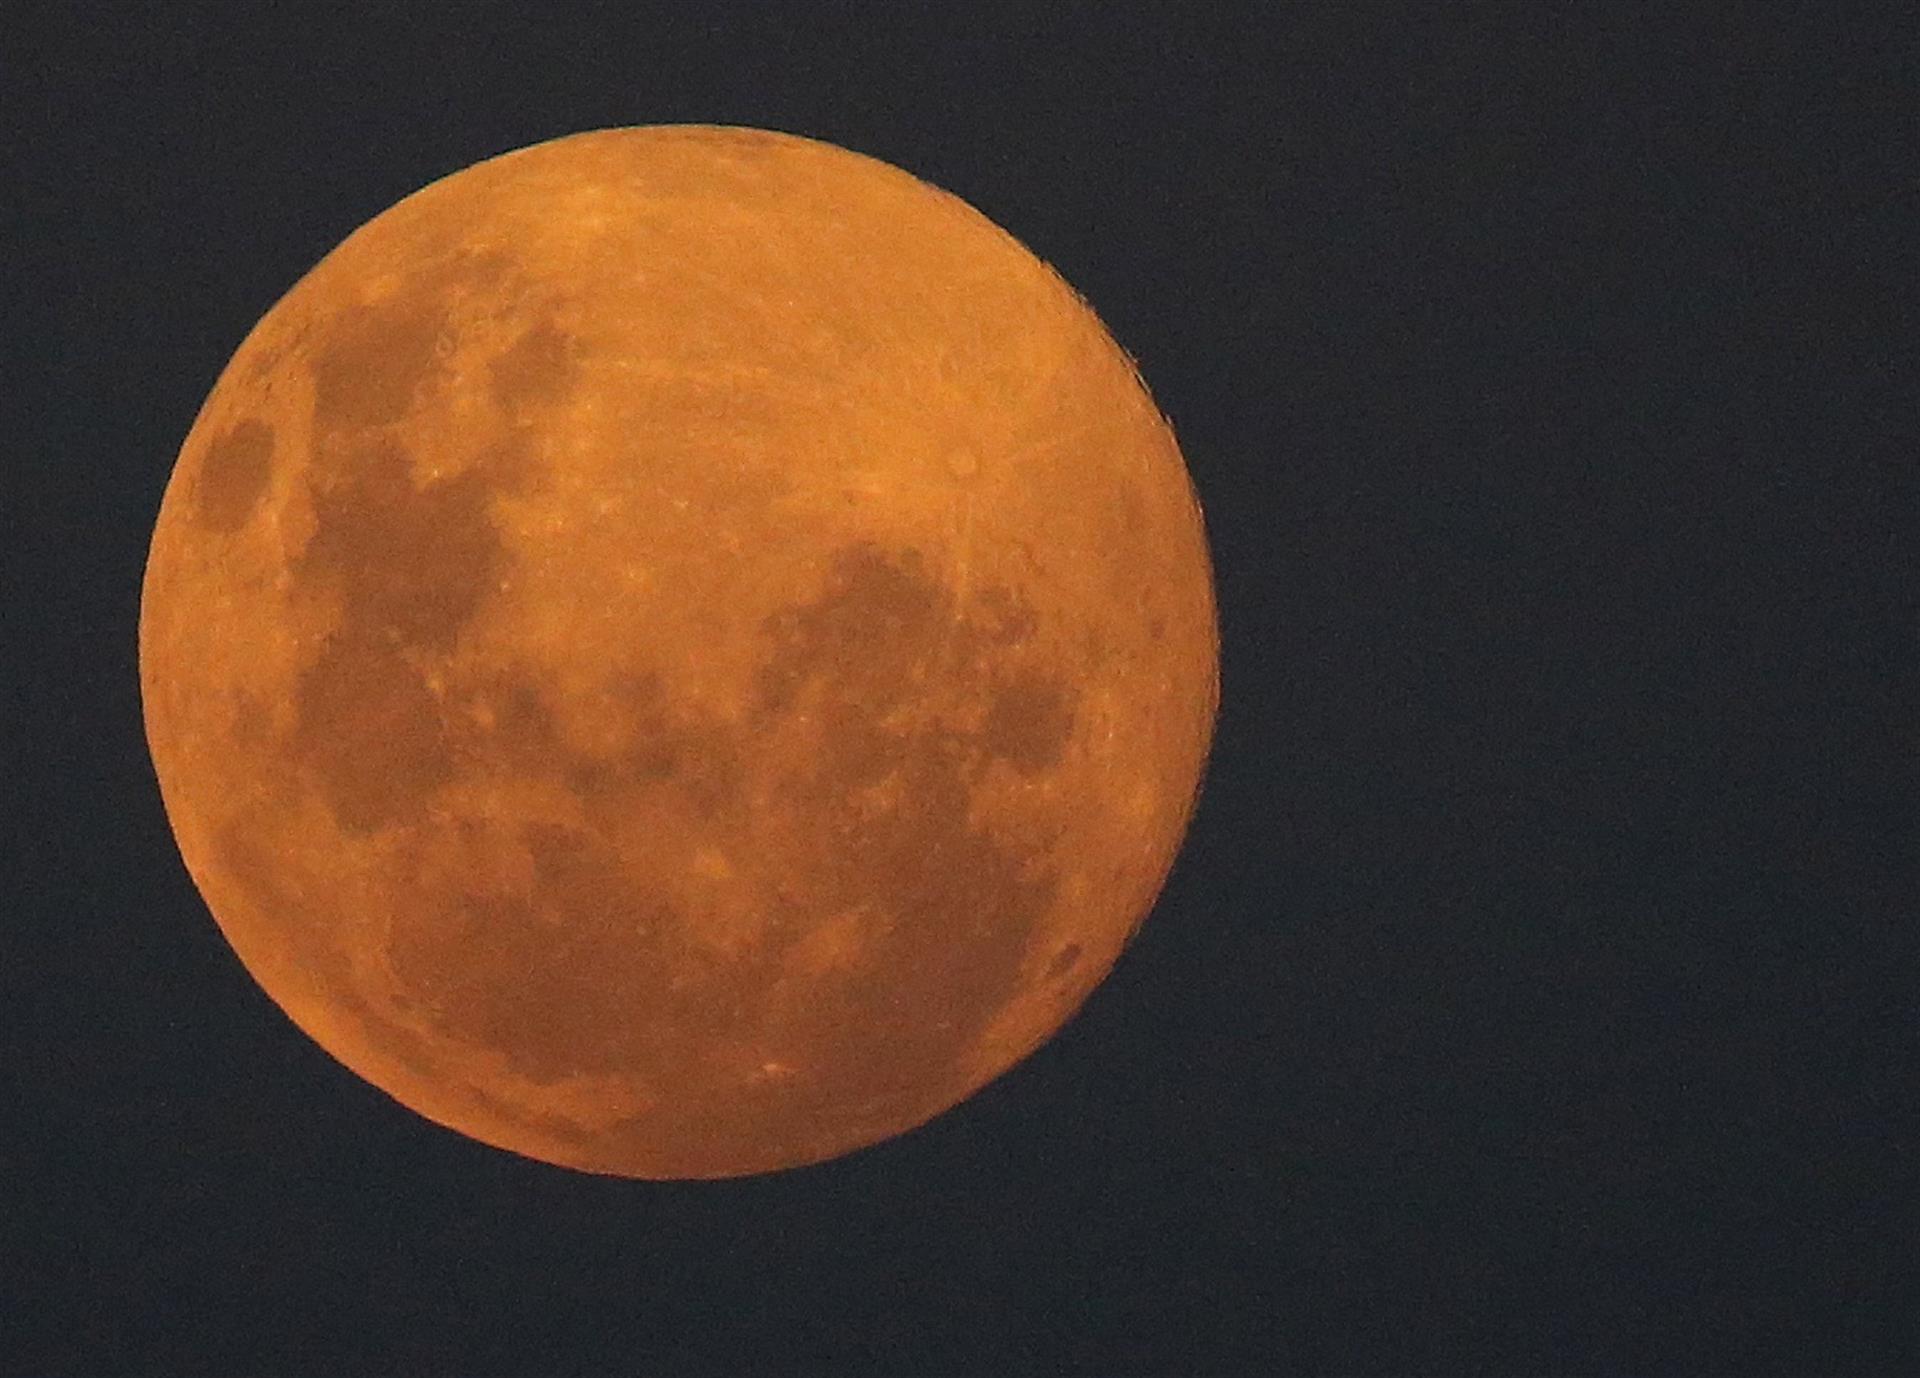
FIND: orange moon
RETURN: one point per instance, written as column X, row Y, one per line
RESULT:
column 679, row 651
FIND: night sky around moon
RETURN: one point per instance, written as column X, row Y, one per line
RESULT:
column 406, row 558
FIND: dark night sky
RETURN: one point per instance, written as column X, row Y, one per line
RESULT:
column 1536, row 990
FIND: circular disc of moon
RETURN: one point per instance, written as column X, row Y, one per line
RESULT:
column 679, row 651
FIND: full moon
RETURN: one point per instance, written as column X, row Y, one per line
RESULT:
column 679, row 652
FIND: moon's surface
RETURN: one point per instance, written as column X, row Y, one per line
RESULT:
column 679, row 651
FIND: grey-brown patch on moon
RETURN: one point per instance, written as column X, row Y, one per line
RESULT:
column 408, row 566
column 375, row 359
column 951, row 908
column 233, row 476
column 1065, row 960
column 1030, row 722
column 370, row 732
column 562, row 976
column 537, row 368
column 878, row 623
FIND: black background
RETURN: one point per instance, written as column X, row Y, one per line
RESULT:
column 1536, row 990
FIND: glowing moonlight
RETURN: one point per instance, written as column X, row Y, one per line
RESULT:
column 679, row 651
